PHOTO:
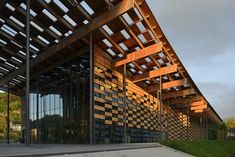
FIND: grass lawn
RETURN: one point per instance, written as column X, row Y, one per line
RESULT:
column 204, row 148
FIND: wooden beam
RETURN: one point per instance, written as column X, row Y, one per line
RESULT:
column 197, row 103
column 178, row 93
column 185, row 100
column 204, row 106
column 166, row 85
column 175, row 83
column 198, row 111
column 154, row 73
column 142, row 53
column 153, row 88
column 99, row 21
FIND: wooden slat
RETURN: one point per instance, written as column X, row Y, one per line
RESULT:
column 150, row 50
column 78, row 34
column 178, row 93
column 204, row 106
column 185, row 100
column 155, row 73
column 166, row 85
column 197, row 103
column 198, row 111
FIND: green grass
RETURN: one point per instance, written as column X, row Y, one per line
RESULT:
column 204, row 148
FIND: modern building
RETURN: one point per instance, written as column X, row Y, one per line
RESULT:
column 100, row 72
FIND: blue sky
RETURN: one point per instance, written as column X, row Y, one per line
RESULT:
column 202, row 34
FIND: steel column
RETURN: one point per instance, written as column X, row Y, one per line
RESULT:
column 187, row 120
column 37, row 114
column 168, row 109
column 27, row 73
column 182, row 128
column 160, row 99
column 8, row 113
column 92, row 141
column 201, row 127
column 124, row 104
column 158, row 111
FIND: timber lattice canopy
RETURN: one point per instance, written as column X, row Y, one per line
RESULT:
column 126, row 29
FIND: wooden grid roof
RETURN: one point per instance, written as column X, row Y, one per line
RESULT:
column 126, row 29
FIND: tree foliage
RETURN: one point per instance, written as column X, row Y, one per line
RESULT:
column 217, row 132
column 15, row 103
column 230, row 122
column 15, row 116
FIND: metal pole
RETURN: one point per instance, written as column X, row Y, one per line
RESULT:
column 124, row 104
column 187, row 120
column 158, row 111
column 182, row 128
column 27, row 73
column 160, row 96
column 168, row 114
column 204, row 128
column 91, row 89
column 8, row 114
column 201, row 127
column 206, row 134
column 37, row 106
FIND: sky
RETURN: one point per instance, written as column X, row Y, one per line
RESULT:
column 202, row 33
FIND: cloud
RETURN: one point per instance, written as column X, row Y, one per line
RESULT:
column 198, row 29
column 202, row 34
column 221, row 97
column 219, row 68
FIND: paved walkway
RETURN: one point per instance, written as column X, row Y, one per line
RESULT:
column 108, row 150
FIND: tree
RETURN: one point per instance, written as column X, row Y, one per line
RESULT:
column 217, row 132
column 222, row 131
column 15, row 115
column 3, row 125
column 230, row 122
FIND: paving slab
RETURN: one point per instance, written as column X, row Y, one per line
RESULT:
column 143, row 152
column 101, row 150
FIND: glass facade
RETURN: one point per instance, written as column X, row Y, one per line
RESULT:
column 59, row 104
column 59, row 107
column 114, row 134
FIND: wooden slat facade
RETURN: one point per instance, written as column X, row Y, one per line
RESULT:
column 124, row 32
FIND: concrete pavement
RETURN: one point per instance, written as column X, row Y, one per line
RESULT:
column 144, row 152
column 107, row 150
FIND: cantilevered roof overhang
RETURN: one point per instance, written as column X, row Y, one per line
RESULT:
column 125, row 29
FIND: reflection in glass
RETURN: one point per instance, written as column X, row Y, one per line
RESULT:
column 59, row 104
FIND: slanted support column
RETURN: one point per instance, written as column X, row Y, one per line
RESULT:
column 27, row 73
column 124, row 104
column 91, row 106
column 8, row 113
